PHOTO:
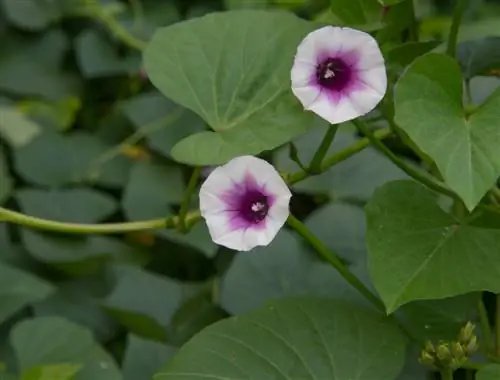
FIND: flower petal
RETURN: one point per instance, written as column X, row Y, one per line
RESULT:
column 226, row 225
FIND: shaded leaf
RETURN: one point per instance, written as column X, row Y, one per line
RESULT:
column 479, row 57
column 98, row 57
column 80, row 205
column 53, row 340
column 7, row 182
column 143, row 358
column 19, row 289
column 284, row 268
column 144, row 302
column 161, row 121
column 54, row 160
column 80, row 255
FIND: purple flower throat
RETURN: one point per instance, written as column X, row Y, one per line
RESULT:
column 333, row 74
column 254, row 206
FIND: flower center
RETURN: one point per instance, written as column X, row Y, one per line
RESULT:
column 254, row 207
column 333, row 74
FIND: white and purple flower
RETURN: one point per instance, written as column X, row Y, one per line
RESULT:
column 339, row 73
column 244, row 203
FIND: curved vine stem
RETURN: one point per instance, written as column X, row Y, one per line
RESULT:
column 416, row 174
column 173, row 222
column 84, row 229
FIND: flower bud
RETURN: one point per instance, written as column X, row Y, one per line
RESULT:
column 466, row 333
column 472, row 345
column 427, row 359
column 443, row 352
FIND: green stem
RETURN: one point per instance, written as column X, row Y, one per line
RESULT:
column 193, row 216
column 446, row 374
column 333, row 259
column 117, row 29
column 186, row 200
column 485, row 327
column 458, row 12
column 421, row 177
column 315, row 165
column 497, row 326
column 84, row 229
column 338, row 157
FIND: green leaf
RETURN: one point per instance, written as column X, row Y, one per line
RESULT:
column 19, row 289
column 143, row 358
column 439, row 319
column 342, row 228
column 161, row 121
column 32, row 15
column 194, row 315
column 31, row 65
column 438, row 256
column 489, row 372
column 428, row 102
column 154, row 15
column 16, row 128
column 295, row 338
column 55, row 160
column 7, row 183
column 98, row 57
column 357, row 12
column 144, row 302
column 80, row 255
column 249, row 104
column 152, row 190
column 53, row 340
column 357, row 177
column 479, row 57
column 284, row 268
column 77, row 205
column 78, row 300
column 52, row 372
column 407, row 52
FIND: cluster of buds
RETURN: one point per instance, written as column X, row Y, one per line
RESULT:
column 450, row 354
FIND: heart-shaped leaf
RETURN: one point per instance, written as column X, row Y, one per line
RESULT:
column 428, row 101
column 298, row 338
column 236, row 78
column 418, row 251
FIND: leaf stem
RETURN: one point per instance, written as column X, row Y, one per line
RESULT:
column 446, row 374
column 319, row 156
column 116, row 28
column 421, row 177
column 451, row 48
column 83, row 229
column 186, row 200
column 334, row 260
column 485, row 326
column 340, row 156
